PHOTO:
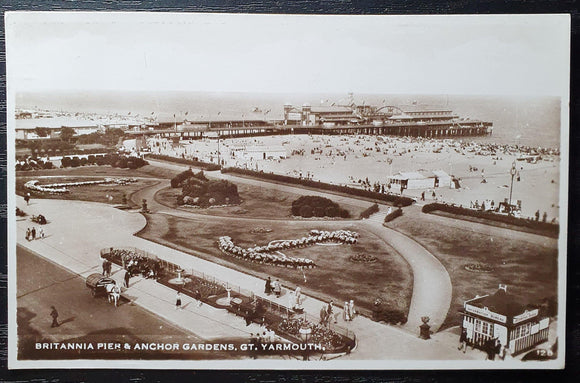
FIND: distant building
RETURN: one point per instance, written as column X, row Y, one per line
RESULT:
column 502, row 316
column 421, row 180
column 418, row 121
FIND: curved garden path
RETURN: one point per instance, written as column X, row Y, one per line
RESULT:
column 431, row 283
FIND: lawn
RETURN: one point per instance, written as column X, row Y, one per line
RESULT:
column 335, row 276
column 529, row 270
column 257, row 202
column 93, row 193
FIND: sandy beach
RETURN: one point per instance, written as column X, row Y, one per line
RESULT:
column 349, row 159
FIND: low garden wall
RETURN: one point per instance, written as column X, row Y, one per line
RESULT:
column 198, row 164
column 210, row 290
column 545, row 228
column 391, row 198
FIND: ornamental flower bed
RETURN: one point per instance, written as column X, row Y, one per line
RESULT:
column 59, row 188
column 263, row 254
column 362, row 258
column 328, row 339
column 478, row 268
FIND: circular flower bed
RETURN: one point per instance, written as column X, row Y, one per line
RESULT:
column 478, row 268
column 362, row 258
column 329, row 339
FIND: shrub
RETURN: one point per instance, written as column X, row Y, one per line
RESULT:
column 331, row 211
column 178, row 179
column 344, row 213
column 84, row 161
column 75, row 162
column 319, row 211
column 306, row 211
column 369, row 211
column 551, row 229
column 396, row 213
column 65, row 162
column 198, row 190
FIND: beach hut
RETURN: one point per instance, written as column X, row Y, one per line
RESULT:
column 502, row 316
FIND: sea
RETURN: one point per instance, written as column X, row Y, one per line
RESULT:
column 529, row 121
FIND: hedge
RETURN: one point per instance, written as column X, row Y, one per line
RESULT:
column 178, row 179
column 113, row 159
column 393, row 199
column 369, row 211
column 198, row 164
column 311, row 205
column 397, row 213
column 545, row 227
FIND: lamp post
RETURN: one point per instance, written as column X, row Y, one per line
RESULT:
column 305, row 332
column 513, row 173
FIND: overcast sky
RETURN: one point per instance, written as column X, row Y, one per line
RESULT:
column 256, row 53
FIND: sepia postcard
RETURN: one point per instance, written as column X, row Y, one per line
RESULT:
column 239, row 191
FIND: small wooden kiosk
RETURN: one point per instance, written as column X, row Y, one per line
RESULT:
column 501, row 316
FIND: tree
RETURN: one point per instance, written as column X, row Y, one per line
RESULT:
column 66, row 133
column 41, row 132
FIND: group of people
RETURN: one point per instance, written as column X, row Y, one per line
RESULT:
column 273, row 287
column 492, row 347
column 327, row 312
column 32, row 234
column 107, row 266
column 136, row 263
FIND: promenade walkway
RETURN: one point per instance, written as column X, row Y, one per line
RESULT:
column 77, row 231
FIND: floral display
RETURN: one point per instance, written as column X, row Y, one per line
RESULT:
column 265, row 254
column 329, row 339
column 362, row 258
column 58, row 188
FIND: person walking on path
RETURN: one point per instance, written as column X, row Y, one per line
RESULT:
column 28, row 234
column 345, row 314
column 104, row 267
column 463, row 340
column 268, row 286
column 33, row 233
column 178, row 301
column 54, row 315
column 198, row 297
column 351, row 310
column 277, row 288
column 41, row 233
column 109, row 268
column 27, row 198
column 127, row 277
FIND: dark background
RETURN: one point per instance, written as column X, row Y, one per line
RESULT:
column 398, row 7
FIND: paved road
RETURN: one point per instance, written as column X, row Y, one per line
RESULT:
column 83, row 318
